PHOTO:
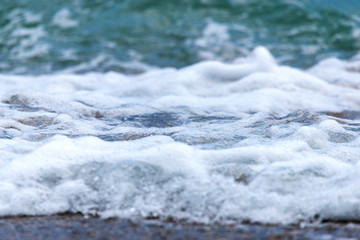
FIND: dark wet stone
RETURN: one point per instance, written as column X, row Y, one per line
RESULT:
column 74, row 226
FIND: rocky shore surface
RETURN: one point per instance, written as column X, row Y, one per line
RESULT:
column 70, row 226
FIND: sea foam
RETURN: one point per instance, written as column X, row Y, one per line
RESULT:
column 249, row 140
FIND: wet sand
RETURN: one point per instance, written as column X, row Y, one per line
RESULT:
column 77, row 227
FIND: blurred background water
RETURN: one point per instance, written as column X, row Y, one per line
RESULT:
column 43, row 36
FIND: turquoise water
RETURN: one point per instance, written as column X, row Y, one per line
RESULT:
column 87, row 35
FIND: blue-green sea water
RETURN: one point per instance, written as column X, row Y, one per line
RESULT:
column 209, row 111
column 108, row 35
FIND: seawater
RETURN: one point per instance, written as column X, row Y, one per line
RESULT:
column 85, row 35
column 158, row 109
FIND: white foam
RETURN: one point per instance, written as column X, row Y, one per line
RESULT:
column 29, row 43
column 214, row 32
column 209, row 142
column 256, row 84
column 338, row 72
column 214, row 43
column 32, row 18
column 63, row 19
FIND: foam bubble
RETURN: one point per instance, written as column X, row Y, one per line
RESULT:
column 63, row 19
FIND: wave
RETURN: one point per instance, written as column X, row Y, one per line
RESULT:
column 250, row 140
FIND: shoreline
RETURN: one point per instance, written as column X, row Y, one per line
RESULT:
column 76, row 226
